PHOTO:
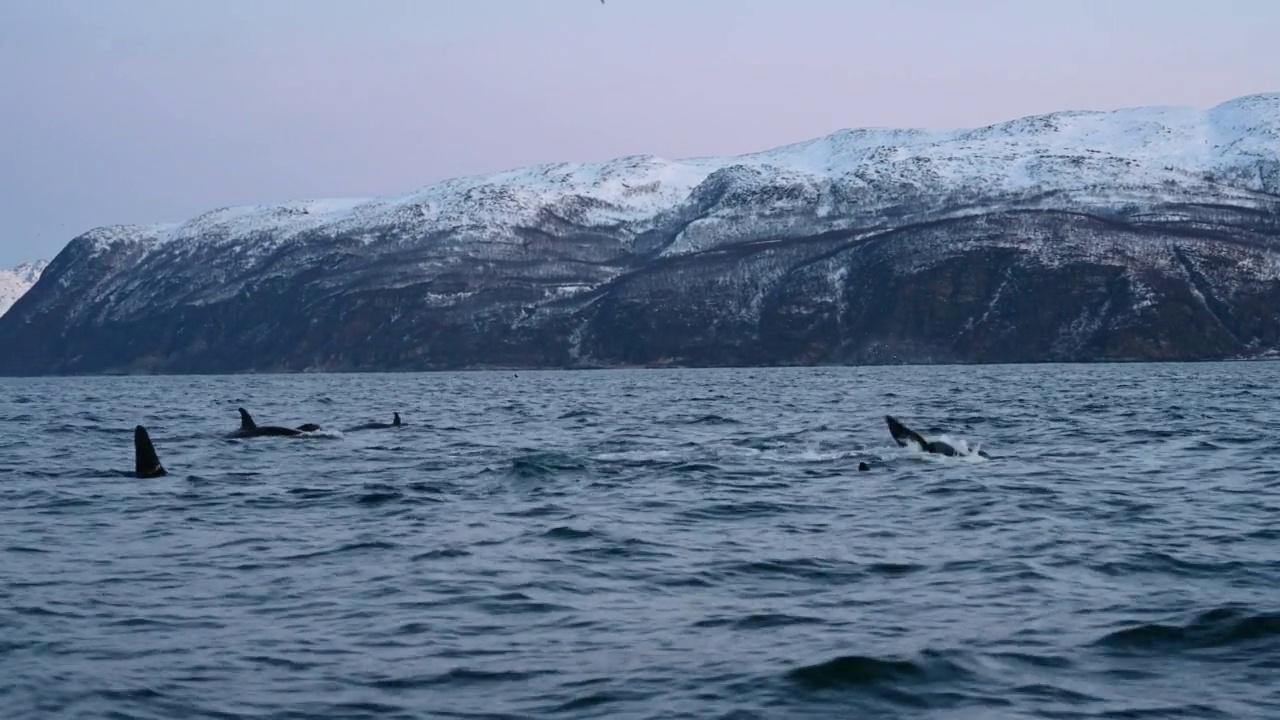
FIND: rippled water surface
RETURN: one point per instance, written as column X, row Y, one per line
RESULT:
column 646, row 544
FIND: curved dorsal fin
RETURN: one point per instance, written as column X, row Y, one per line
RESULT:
column 146, row 464
column 246, row 420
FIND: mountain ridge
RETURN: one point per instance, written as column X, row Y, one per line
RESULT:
column 528, row 255
column 804, row 157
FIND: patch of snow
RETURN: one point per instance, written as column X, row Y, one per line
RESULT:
column 16, row 282
column 1143, row 296
column 567, row 290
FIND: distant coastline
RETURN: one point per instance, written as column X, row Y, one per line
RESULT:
column 584, row 368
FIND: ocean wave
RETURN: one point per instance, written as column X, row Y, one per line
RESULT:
column 1223, row 627
column 601, row 545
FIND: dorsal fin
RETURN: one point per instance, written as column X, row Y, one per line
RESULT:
column 146, row 464
column 396, row 422
column 246, row 420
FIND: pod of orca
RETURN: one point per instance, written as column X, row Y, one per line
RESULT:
column 147, row 462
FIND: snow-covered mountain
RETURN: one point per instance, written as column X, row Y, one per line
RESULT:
column 1141, row 154
column 16, row 282
column 868, row 238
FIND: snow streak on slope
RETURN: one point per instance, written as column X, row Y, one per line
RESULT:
column 16, row 282
column 1143, row 153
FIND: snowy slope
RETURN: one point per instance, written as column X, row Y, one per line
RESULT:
column 16, row 282
column 1151, row 153
column 1148, row 233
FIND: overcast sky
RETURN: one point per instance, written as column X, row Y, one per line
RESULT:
column 139, row 111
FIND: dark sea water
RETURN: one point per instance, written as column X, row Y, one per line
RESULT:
column 647, row 544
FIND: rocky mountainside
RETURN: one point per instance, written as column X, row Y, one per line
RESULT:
column 1141, row 234
column 16, row 282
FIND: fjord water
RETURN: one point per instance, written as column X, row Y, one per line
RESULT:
column 646, row 544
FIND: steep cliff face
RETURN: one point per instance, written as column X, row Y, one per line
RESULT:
column 1016, row 286
column 1146, row 234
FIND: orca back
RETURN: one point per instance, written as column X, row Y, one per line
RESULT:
column 275, row 431
column 249, row 428
column 938, row 447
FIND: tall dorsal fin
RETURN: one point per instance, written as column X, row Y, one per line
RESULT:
column 396, row 422
column 146, row 464
column 246, row 420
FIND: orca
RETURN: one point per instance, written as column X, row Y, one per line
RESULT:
column 146, row 464
column 249, row 428
column 395, row 423
column 903, row 435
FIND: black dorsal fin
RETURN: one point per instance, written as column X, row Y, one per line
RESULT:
column 396, row 422
column 246, row 420
column 146, row 463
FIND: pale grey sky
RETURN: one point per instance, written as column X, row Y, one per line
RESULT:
column 139, row 111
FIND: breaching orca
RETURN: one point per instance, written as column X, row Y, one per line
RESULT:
column 249, row 428
column 377, row 425
column 903, row 435
column 146, row 464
